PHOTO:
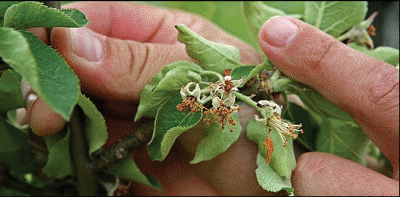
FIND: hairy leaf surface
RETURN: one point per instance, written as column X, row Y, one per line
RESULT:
column 282, row 160
column 335, row 17
column 269, row 179
column 4, row 5
column 343, row 138
column 47, row 72
column 127, row 169
column 30, row 14
column 257, row 13
column 339, row 134
column 389, row 55
column 169, row 124
column 211, row 55
column 216, row 140
column 289, row 7
column 169, row 81
column 10, row 91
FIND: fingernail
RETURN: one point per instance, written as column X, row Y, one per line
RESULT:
column 86, row 44
column 279, row 31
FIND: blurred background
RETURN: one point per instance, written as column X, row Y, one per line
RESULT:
column 229, row 16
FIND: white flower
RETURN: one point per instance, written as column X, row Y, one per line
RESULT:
column 185, row 91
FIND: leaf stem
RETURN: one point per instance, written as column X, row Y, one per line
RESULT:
column 208, row 72
column 247, row 100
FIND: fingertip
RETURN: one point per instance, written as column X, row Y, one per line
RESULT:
column 326, row 174
column 43, row 120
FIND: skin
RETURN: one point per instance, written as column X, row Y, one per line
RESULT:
column 137, row 40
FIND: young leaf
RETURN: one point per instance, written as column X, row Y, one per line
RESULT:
column 176, row 78
column 59, row 163
column 171, row 79
column 387, row 54
column 211, row 55
column 150, row 102
column 269, row 179
column 334, row 17
column 10, row 91
column 282, row 160
column 289, row 7
column 4, row 5
column 127, row 169
column 47, row 72
column 30, row 14
column 95, row 125
column 241, row 71
column 169, row 124
column 216, row 140
column 257, row 13
column 343, row 138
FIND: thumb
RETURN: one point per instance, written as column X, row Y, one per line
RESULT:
column 113, row 68
column 322, row 174
column 365, row 87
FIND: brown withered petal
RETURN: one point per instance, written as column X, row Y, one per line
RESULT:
column 269, row 145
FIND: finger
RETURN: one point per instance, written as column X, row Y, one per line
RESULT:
column 367, row 88
column 41, row 118
column 322, row 174
column 118, row 69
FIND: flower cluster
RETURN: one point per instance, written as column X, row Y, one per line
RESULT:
column 220, row 94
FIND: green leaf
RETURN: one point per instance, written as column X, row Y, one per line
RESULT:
column 228, row 15
column 343, row 138
column 30, row 14
column 257, row 13
column 10, row 91
column 14, row 148
column 335, row 17
column 176, row 78
column 317, row 103
column 11, row 138
column 211, row 55
column 95, row 125
column 47, row 72
column 339, row 134
column 11, row 192
column 59, row 163
column 171, row 78
column 269, row 179
column 4, row 5
column 150, row 102
column 387, row 54
column 127, row 169
column 203, row 8
column 297, row 115
column 169, row 124
column 241, row 71
column 216, row 140
column 282, row 160
column 289, row 7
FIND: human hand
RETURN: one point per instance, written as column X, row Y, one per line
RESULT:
column 137, row 40
column 231, row 173
column 366, row 88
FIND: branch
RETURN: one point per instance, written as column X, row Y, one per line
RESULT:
column 86, row 179
column 123, row 148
